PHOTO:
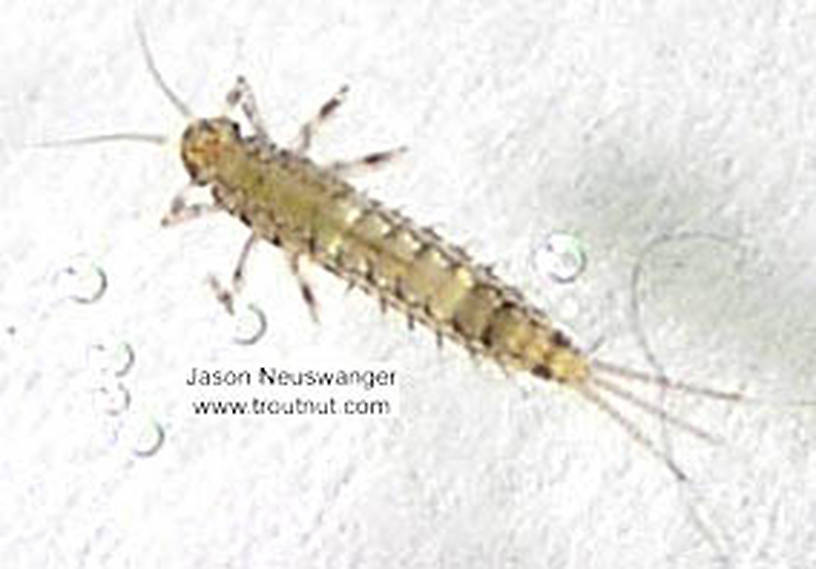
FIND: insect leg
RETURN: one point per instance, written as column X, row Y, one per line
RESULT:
column 305, row 288
column 181, row 211
column 238, row 273
column 242, row 93
column 366, row 163
column 303, row 141
column 226, row 296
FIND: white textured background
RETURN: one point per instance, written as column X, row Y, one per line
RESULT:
column 619, row 122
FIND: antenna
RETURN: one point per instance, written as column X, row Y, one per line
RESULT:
column 154, row 72
column 123, row 136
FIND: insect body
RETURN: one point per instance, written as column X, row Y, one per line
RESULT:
column 306, row 210
column 310, row 211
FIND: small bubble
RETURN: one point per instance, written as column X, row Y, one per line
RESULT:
column 250, row 325
column 113, row 361
column 112, row 399
column 560, row 256
column 81, row 281
column 148, row 440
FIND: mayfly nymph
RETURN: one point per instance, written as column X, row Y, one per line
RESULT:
column 311, row 212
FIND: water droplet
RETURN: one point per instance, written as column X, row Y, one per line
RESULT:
column 81, row 281
column 560, row 256
column 112, row 399
column 113, row 361
column 250, row 325
column 148, row 440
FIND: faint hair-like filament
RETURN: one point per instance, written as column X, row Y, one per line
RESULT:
column 102, row 138
column 154, row 72
column 599, row 382
column 157, row 139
